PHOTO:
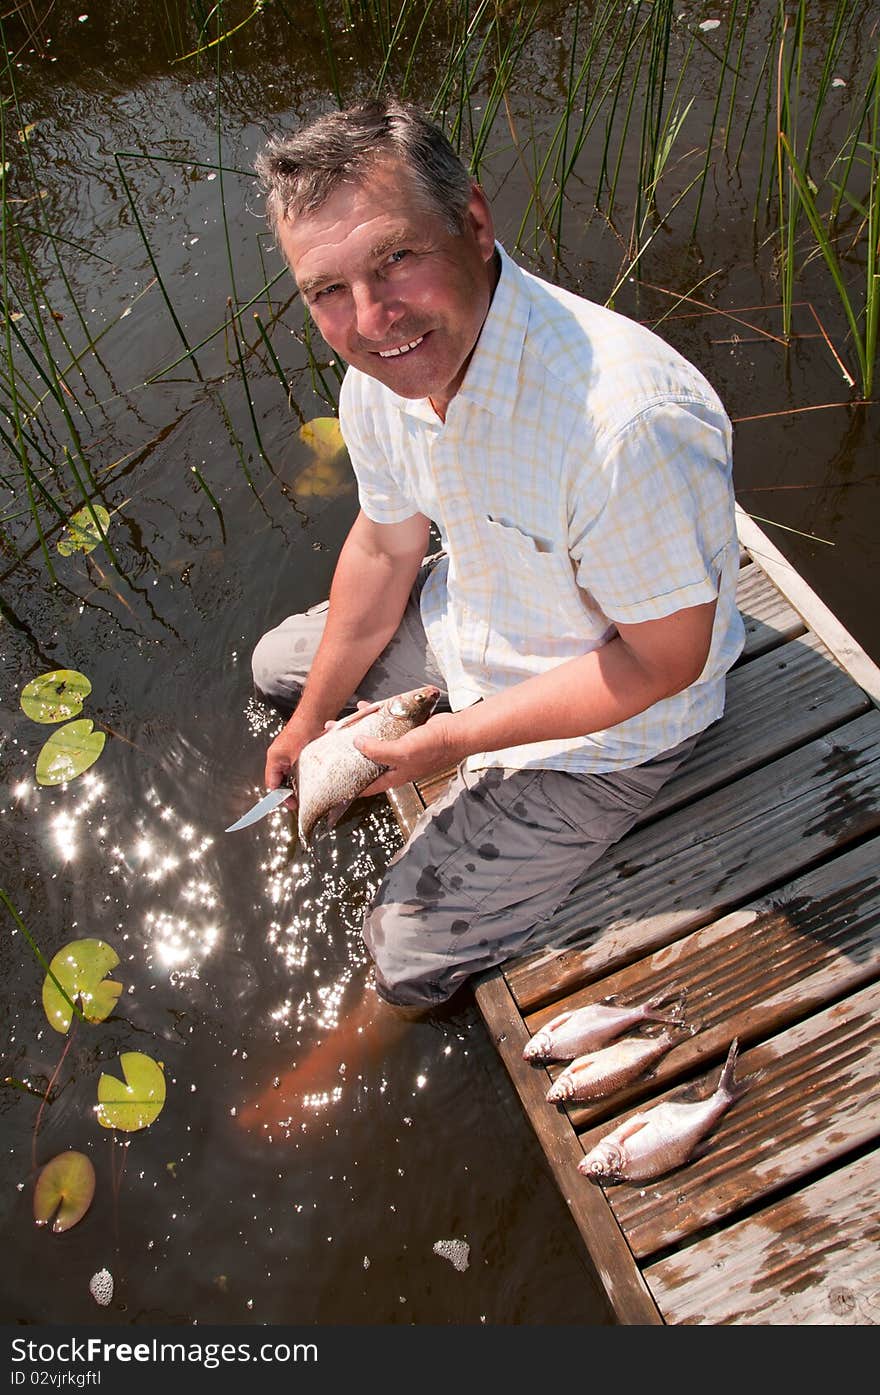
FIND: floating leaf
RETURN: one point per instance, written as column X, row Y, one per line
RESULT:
column 55, row 696
column 64, row 1189
column 138, row 1102
column 82, row 533
column 81, row 968
column 323, row 436
column 329, row 474
column 69, row 751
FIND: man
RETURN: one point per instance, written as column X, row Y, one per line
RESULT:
column 580, row 616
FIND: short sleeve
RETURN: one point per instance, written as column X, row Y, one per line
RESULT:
column 651, row 537
column 380, row 492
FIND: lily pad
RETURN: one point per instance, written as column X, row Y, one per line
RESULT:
column 55, row 696
column 329, row 474
column 82, row 533
column 81, row 968
column 323, row 436
column 69, row 751
column 64, row 1189
column 136, row 1103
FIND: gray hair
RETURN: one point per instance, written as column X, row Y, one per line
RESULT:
column 299, row 173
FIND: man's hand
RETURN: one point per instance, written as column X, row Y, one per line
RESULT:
column 422, row 751
column 282, row 754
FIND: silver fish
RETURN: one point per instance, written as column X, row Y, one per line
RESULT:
column 331, row 772
column 598, row 1073
column 662, row 1138
column 585, row 1029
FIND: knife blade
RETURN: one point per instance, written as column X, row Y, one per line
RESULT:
column 262, row 807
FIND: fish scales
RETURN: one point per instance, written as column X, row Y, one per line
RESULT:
column 649, row 1144
column 587, row 1028
column 598, row 1073
column 331, row 772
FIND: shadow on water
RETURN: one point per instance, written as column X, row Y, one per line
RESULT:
column 239, row 955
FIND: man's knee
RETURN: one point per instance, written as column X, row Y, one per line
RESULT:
column 407, row 975
column 274, row 682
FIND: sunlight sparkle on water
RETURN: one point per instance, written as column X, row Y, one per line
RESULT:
column 64, row 829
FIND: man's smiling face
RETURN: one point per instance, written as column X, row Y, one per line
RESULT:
column 390, row 288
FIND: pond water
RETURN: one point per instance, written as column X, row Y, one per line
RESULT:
column 239, row 954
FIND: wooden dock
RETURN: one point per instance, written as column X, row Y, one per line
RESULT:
column 754, row 885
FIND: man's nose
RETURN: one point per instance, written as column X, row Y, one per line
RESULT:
column 376, row 310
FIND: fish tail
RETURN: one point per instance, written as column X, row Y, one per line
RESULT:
column 675, row 995
column 726, row 1083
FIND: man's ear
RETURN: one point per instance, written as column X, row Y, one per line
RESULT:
column 481, row 222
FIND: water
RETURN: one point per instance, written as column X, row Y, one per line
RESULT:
column 238, row 954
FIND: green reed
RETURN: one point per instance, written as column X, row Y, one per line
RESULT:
column 802, row 188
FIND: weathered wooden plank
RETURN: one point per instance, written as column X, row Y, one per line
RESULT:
column 812, row 1259
column 752, row 973
column 768, row 617
column 627, row 1293
column 774, row 704
column 812, row 1102
column 688, row 867
column 811, row 607
column 406, row 805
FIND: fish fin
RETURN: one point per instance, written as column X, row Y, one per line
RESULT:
column 327, row 821
column 671, row 1019
column 677, row 996
column 632, row 1126
column 726, row 1082
column 334, row 814
column 357, row 716
column 558, row 1021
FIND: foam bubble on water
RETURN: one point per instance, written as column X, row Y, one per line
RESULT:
column 456, row 1251
column 101, row 1287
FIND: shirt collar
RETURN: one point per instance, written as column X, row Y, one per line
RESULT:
column 492, row 375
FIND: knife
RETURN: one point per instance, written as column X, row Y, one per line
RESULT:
column 263, row 806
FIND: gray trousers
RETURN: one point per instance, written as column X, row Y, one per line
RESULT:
column 490, row 861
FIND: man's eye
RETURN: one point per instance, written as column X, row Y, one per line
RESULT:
column 397, row 257
column 324, row 292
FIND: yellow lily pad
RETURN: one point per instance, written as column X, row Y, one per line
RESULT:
column 55, row 696
column 64, row 1189
column 135, row 1103
column 329, row 473
column 81, row 968
column 82, row 533
column 69, row 751
column 322, row 435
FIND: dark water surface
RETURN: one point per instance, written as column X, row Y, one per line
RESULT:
column 239, row 954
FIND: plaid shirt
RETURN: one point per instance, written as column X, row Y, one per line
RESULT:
column 582, row 477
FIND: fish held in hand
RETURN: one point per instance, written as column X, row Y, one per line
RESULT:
column 599, row 1073
column 331, row 772
column 587, row 1028
column 662, row 1138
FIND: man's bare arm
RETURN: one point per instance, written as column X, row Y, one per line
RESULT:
column 371, row 584
column 642, row 665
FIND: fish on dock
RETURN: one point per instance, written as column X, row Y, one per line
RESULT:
column 331, row 772
column 599, row 1073
column 584, row 1029
column 649, row 1144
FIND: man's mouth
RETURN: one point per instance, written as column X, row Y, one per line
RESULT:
column 401, row 348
